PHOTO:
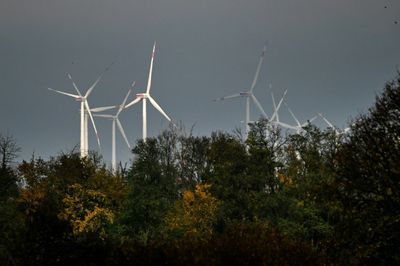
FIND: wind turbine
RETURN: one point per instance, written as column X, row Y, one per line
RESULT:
column 337, row 131
column 300, row 126
column 249, row 94
column 329, row 124
column 275, row 115
column 116, row 122
column 84, row 112
column 146, row 95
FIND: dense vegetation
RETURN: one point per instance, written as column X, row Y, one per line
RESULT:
column 315, row 198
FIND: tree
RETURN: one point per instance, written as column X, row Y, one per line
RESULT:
column 368, row 184
column 11, row 224
column 8, row 150
column 88, row 212
column 228, row 164
column 8, row 179
column 69, row 204
column 194, row 215
column 152, row 190
column 265, row 144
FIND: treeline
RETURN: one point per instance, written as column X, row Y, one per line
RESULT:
column 315, row 198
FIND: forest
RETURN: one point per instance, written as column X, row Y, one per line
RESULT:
column 315, row 198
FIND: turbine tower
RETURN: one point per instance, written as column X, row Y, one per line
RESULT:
column 84, row 112
column 116, row 122
column 146, row 95
column 249, row 94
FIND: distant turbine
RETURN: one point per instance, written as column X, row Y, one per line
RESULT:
column 85, row 111
column 115, row 121
column 275, row 115
column 336, row 130
column 249, row 94
column 299, row 127
column 330, row 125
column 146, row 95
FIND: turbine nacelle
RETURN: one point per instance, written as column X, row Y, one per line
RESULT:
column 245, row 94
column 142, row 95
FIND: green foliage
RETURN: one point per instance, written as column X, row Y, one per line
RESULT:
column 368, row 183
column 152, row 191
column 314, row 198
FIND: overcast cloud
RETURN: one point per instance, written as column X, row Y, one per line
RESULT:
column 332, row 56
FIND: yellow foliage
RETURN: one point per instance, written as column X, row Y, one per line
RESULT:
column 286, row 180
column 195, row 214
column 87, row 211
column 31, row 200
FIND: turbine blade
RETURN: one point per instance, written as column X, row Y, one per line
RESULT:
column 259, row 106
column 273, row 100
column 94, row 85
column 65, row 93
column 98, row 79
column 133, row 102
column 275, row 110
column 309, row 121
column 281, row 100
column 73, row 84
column 236, row 95
column 253, row 84
column 126, row 98
column 155, row 104
column 121, row 129
column 151, row 70
column 294, row 117
column 101, row 109
column 326, row 121
column 284, row 125
column 94, row 125
column 104, row 116
column 122, row 106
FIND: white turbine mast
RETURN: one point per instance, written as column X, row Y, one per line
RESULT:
column 249, row 94
column 116, row 122
column 85, row 111
column 146, row 95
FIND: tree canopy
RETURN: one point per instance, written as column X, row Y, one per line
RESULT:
column 315, row 197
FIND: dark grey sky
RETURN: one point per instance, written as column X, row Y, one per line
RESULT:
column 332, row 56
